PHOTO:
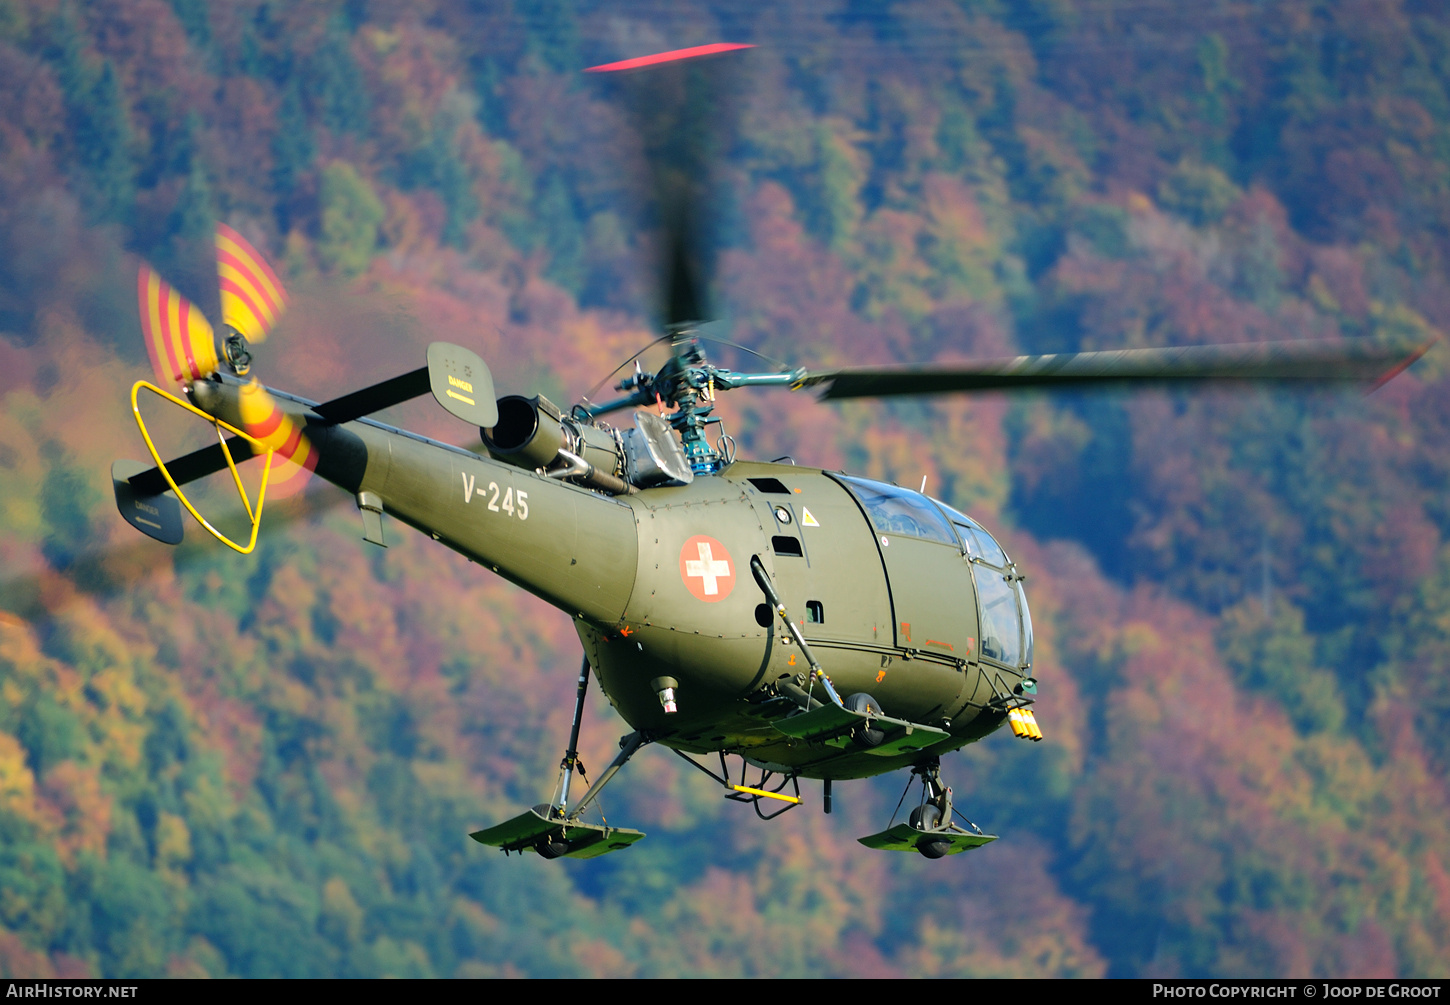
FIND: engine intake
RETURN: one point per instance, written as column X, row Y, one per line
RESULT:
column 532, row 433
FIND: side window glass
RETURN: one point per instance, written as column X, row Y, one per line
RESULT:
column 969, row 539
column 992, row 553
column 979, row 543
column 895, row 510
column 1001, row 631
column 1026, row 621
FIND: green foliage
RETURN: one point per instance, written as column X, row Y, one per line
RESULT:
column 293, row 148
column 193, row 221
column 558, row 224
column 1415, row 677
column 1276, row 656
column 351, row 215
column 1105, row 228
column 66, row 500
column 32, row 883
column 103, row 139
column 1216, row 105
column 51, row 734
column 841, row 178
column 335, row 83
column 14, row 22
column 193, row 15
column 1199, row 192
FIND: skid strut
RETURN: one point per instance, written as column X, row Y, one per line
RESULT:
column 553, row 829
column 627, row 747
column 571, row 761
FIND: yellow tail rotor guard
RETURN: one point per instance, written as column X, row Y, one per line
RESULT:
column 254, row 516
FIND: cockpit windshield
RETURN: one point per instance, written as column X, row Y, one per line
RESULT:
column 895, row 510
column 1006, row 626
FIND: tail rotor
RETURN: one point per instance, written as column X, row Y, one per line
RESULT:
column 182, row 346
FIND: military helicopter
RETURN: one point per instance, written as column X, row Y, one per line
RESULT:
column 807, row 624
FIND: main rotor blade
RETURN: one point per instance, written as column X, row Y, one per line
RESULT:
column 682, row 104
column 1322, row 361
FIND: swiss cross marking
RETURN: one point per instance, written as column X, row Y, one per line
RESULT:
column 706, row 569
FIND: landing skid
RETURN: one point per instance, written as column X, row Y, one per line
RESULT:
column 540, row 831
column 904, row 837
column 929, row 829
column 552, row 829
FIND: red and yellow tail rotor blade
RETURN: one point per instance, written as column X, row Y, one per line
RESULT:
column 178, row 336
column 262, row 418
column 252, row 295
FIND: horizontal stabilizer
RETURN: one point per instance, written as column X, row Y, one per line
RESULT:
column 385, row 394
column 531, row 828
column 904, row 837
column 188, row 467
column 155, row 514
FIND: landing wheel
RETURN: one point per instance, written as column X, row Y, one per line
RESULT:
column 558, row 849
column 934, row 849
column 929, row 818
column 550, row 847
column 865, row 736
column 926, row 818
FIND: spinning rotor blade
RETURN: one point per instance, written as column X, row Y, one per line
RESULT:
column 179, row 338
column 252, row 295
column 681, row 106
column 253, row 299
column 262, row 418
column 1349, row 360
column 182, row 347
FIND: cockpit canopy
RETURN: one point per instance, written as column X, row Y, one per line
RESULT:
column 1006, row 624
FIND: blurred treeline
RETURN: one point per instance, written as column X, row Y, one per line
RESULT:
column 269, row 766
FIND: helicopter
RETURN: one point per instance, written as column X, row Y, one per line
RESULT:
column 807, row 624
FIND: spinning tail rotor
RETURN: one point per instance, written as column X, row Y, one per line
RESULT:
column 182, row 346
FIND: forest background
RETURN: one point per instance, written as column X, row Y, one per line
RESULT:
column 270, row 765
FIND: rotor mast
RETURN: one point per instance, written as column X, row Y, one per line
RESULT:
column 689, row 383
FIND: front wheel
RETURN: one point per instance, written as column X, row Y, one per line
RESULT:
column 926, row 818
column 929, row 818
column 865, row 735
column 555, row 849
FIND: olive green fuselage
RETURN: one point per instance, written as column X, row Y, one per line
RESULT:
column 658, row 584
